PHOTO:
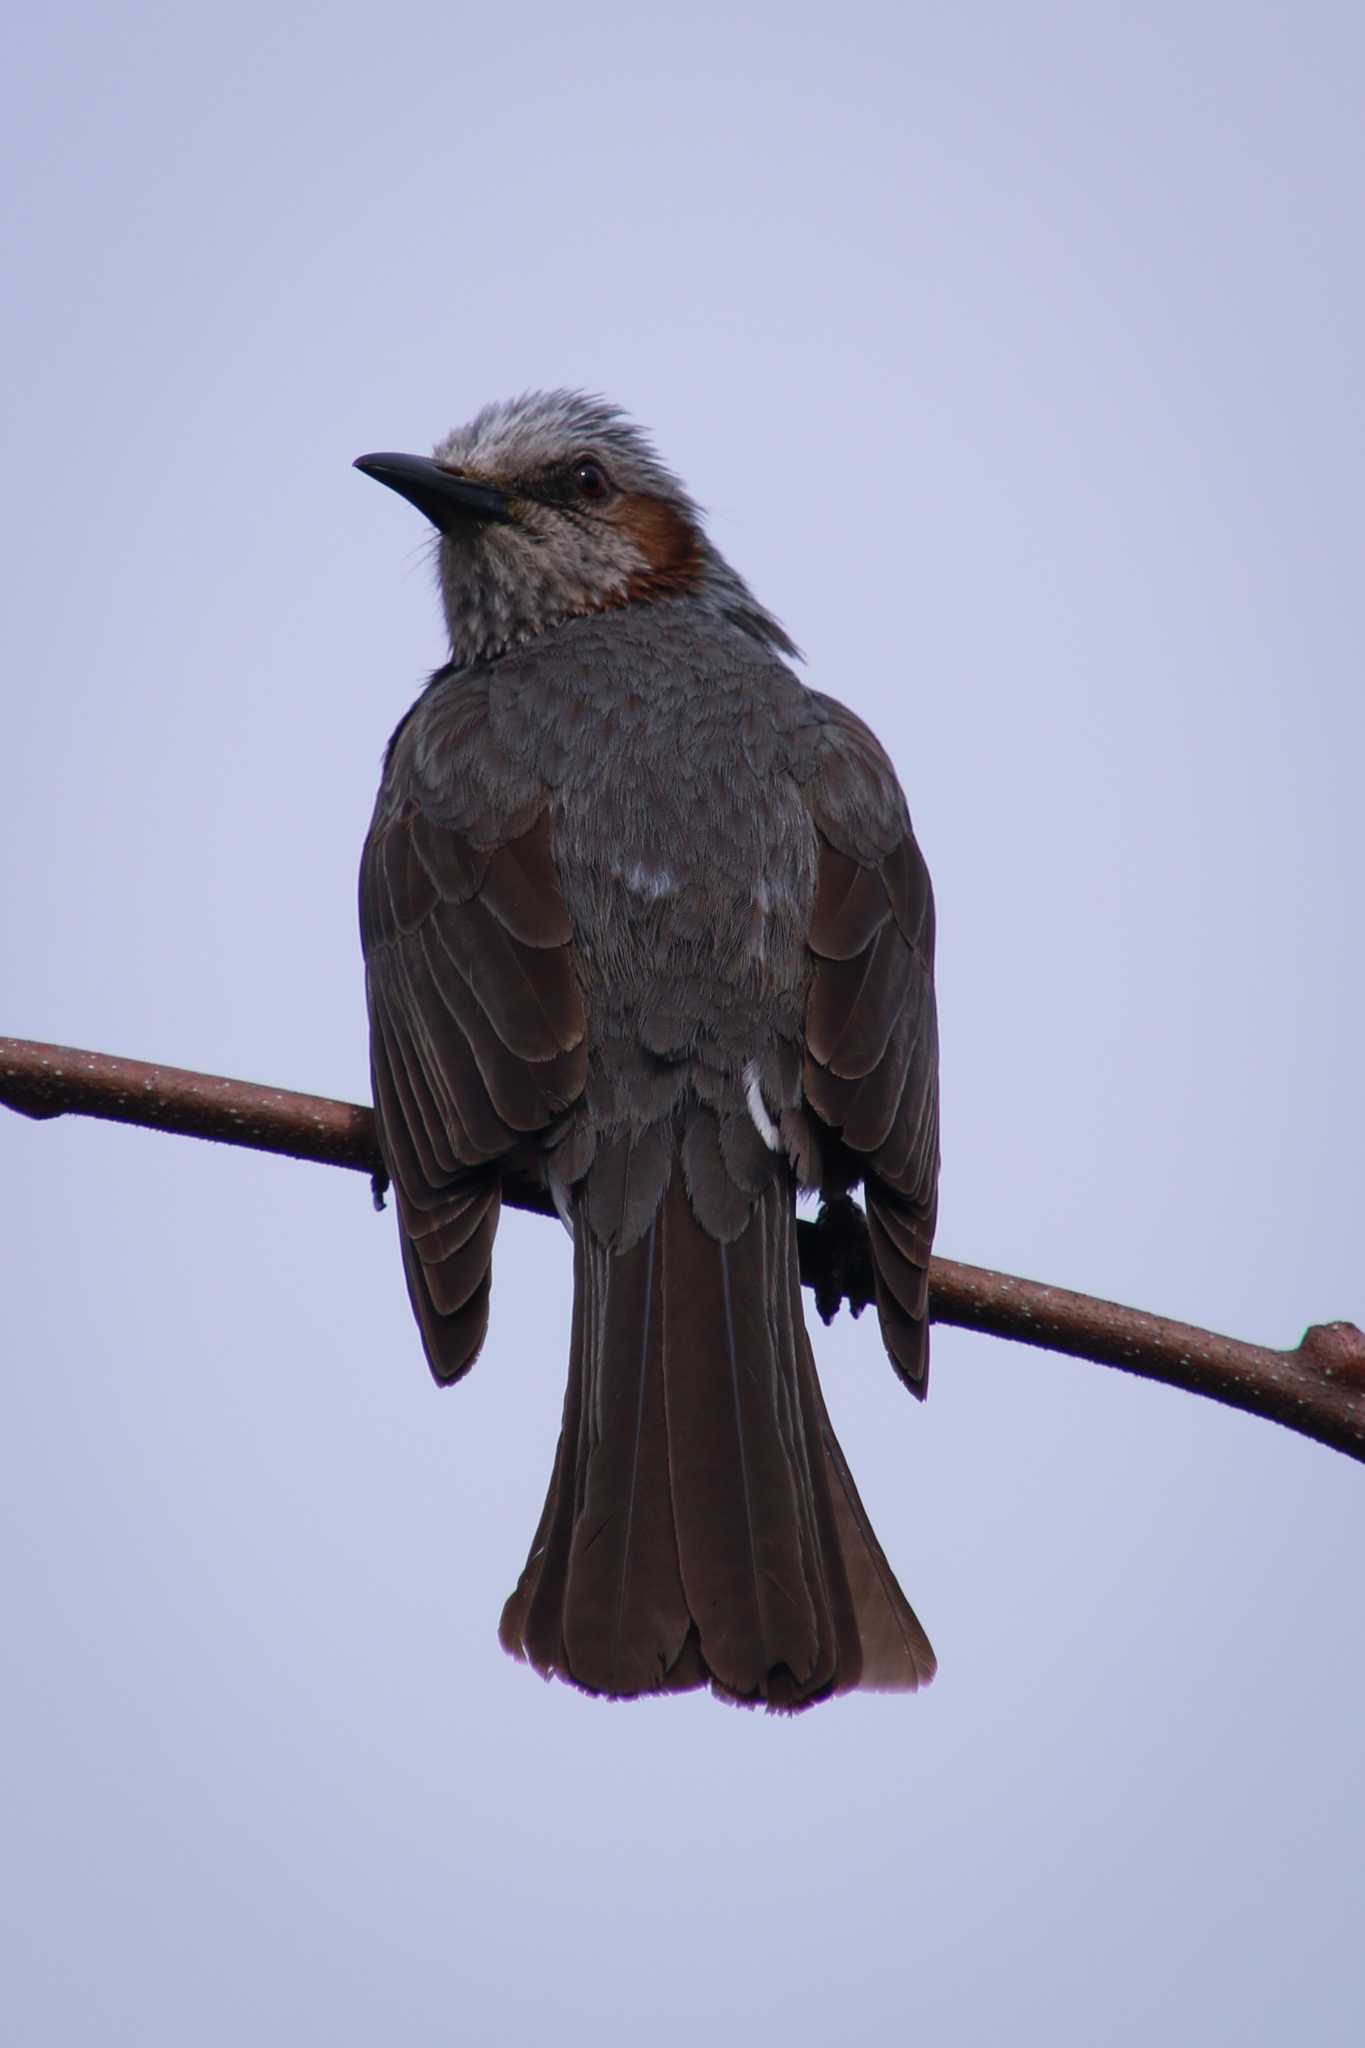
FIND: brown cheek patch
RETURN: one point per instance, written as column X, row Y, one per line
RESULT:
column 669, row 543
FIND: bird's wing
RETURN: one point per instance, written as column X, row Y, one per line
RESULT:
column 871, row 1050
column 477, row 1033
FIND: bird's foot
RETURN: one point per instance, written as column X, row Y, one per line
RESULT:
column 836, row 1257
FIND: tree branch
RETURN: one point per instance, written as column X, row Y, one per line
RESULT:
column 1317, row 1389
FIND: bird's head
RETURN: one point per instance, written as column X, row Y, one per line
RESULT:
column 554, row 506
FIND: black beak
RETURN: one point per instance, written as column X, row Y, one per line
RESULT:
column 447, row 500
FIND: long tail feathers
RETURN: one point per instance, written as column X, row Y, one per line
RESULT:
column 702, row 1527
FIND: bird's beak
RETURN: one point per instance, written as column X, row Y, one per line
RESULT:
column 447, row 500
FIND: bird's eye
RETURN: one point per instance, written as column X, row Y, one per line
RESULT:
column 591, row 481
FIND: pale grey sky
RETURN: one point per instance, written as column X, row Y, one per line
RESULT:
column 1016, row 351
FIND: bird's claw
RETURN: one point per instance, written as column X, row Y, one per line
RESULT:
column 841, row 1262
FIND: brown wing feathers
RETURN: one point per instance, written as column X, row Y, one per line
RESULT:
column 871, row 1071
column 478, row 1039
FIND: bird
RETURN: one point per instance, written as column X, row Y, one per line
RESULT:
column 646, row 928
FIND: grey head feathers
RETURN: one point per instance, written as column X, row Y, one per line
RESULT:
column 531, row 434
column 593, row 520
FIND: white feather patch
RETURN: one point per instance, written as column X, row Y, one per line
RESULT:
column 758, row 1108
column 651, row 883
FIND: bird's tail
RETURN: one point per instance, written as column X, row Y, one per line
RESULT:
column 702, row 1527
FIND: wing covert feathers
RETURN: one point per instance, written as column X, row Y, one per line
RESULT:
column 478, row 1040
column 871, row 1065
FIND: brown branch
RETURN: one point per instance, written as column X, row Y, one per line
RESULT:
column 1317, row 1389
